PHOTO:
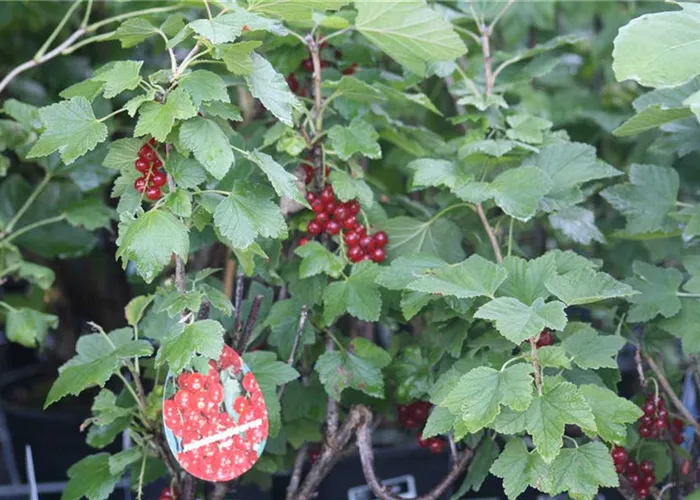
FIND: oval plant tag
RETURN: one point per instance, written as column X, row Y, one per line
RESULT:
column 216, row 423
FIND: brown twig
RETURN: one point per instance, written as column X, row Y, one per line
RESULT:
column 249, row 324
column 663, row 381
column 237, row 302
column 640, row 369
column 300, row 328
column 364, row 444
column 490, row 232
column 229, row 273
column 295, row 480
column 332, row 405
column 536, row 365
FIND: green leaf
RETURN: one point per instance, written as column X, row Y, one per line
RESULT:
column 204, row 86
column 205, row 337
column 209, row 144
column 90, row 213
column 553, row 356
column 611, row 413
column 587, row 286
column 409, row 31
column 236, row 56
column 228, row 27
column 175, row 302
column 647, row 200
column 527, row 128
column 405, row 270
column 268, row 370
column 526, row 279
column 473, row 277
column 348, row 188
column 179, row 202
column 187, row 173
column 121, row 76
column 659, row 61
column 284, row 183
column 136, row 307
column 358, row 137
column 429, row 172
column 89, row 89
column 99, row 357
column 651, row 117
column 105, row 409
column 580, row 471
column 409, row 236
column 658, row 289
column 217, row 298
column 559, row 404
column 589, row 350
column 479, row 395
column 519, row 191
column 246, row 214
column 296, row 11
column 271, row 88
column 316, row 259
column 358, row 366
column 224, row 110
column 568, row 165
column 283, row 321
column 41, row 276
column 577, row 223
column 134, row 31
column 519, row 469
column 683, row 325
column 151, row 240
column 91, row 478
column 484, row 457
column 158, row 119
column 357, row 295
column 29, row 327
column 122, row 154
column 70, row 128
column 440, row 421
column 518, row 322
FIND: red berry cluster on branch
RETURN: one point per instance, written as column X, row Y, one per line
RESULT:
column 435, row 444
column 168, row 493
column 414, row 415
column 196, row 412
column 334, row 216
column 640, row 476
column 152, row 175
column 655, row 421
column 546, row 338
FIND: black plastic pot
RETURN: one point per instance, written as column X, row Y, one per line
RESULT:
column 54, row 436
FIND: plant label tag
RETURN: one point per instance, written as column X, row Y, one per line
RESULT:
column 216, row 423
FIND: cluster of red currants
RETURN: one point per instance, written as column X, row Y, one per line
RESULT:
column 168, row 493
column 332, row 216
column 655, row 421
column 413, row 416
column 307, row 65
column 640, row 476
column 152, row 175
column 195, row 412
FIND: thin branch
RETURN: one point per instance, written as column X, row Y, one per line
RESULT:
column 303, row 315
column 295, row 480
column 490, row 232
column 364, row 443
column 238, row 302
column 250, row 323
column 28, row 203
column 640, row 369
column 663, row 381
column 500, row 14
column 332, row 405
column 536, row 365
column 316, row 60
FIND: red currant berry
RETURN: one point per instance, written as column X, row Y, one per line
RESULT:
column 631, row 467
column 355, row 254
column 546, row 338
column 340, row 213
column 307, row 65
column 437, row 446
column 303, row 242
column 322, row 219
column 380, row 239
column 318, row 206
column 140, row 184
column 378, row 255
column 634, row 479
column 423, row 443
column 354, row 207
column 153, row 193
column 649, row 480
column 403, row 410
column 314, row 455
column 333, row 227
column 660, row 403
column 662, row 414
column 150, row 155
column 351, row 238
column 619, row 468
column 144, row 149
column 168, row 493
column 350, row 223
column 158, row 178
column 646, row 466
column 643, row 492
column 293, row 82
column 649, row 408
column 157, row 163
column 310, row 196
column 314, row 228
column 142, row 165
column 367, row 243
column 327, row 194
column 619, row 454
column 678, row 438
column 152, row 141
column 677, row 424
column 660, row 424
column 420, row 411
column 330, row 207
column 350, row 70
column 411, row 423
column 646, row 420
